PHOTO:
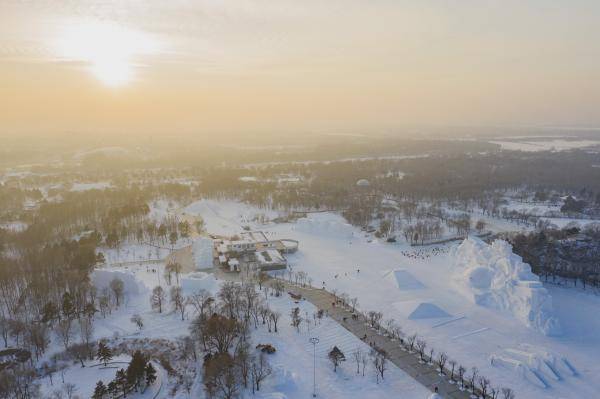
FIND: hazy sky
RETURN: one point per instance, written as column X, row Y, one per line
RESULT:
column 206, row 66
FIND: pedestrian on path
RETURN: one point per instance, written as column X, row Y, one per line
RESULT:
column 435, row 394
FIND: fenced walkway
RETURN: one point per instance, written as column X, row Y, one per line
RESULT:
column 408, row 362
column 423, row 373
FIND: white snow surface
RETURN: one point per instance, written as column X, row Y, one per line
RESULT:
column 90, row 186
column 415, row 310
column 363, row 269
column 193, row 282
column 202, row 252
column 227, row 217
column 545, row 145
column 101, row 279
column 493, row 276
column 323, row 226
column 292, row 364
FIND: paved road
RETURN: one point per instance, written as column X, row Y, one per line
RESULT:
column 422, row 373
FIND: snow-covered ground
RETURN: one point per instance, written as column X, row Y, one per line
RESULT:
column 544, row 145
column 16, row 226
column 134, row 253
column 470, row 333
column 292, row 363
column 84, row 379
column 91, row 186
column 228, row 217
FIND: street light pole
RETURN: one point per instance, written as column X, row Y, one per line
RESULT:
column 314, row 341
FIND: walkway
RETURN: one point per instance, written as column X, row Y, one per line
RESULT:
column 408, row 362
column 423, row 373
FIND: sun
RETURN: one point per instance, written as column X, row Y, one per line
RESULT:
column 109, row 51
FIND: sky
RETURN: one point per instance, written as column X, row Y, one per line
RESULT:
column 208, row 66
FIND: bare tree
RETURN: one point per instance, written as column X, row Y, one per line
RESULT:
column 118, row 288
column 508, row 393
column 357, row 356
column 274, row 316
column 364, row 360
column 178, row 301
column 69, row 390
column 441, row 362
column 452, row 368
column 202, row 301
column 278, row 287
column 157, row 298
column 374, row 318
column 354, row 303
column 461, row 375
column 37, row 337
column 484, row 385
column 4, row 330
column 260, row 370
column 104, row 303
column 220, row 377
column 473, row 378
column 138, row 321
column 296, row 318
column 79, row 352
column 379, row 359
column 64, row 331
column 411, row 340
column 86, row 332
column 421, row 345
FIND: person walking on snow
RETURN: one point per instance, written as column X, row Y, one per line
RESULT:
column 435, row 394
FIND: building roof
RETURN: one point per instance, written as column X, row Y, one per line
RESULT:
column 202, row 252
column 269, row 256
column 254, row 236
column 233, row 262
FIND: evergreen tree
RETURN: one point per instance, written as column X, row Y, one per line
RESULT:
column 150, row 372
column 100, row 391
column 336, row 356
column 49, row 312
column 68, row 307
column 113, row 389
column 121, row 381
column 136, row 369
column 104, row 354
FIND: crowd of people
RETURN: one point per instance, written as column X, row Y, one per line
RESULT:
column 426, row 253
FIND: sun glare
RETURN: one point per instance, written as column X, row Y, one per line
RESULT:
column 109, row 50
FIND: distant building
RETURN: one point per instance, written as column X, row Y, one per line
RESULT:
column 252, row 241
column 253, row 249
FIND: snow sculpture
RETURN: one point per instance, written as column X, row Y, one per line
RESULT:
column 493, row 276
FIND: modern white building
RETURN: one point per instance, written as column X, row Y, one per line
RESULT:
column 254, row 249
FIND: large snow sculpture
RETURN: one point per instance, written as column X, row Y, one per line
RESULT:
column 493, row 276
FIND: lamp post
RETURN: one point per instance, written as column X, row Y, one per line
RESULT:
column 314, row 341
